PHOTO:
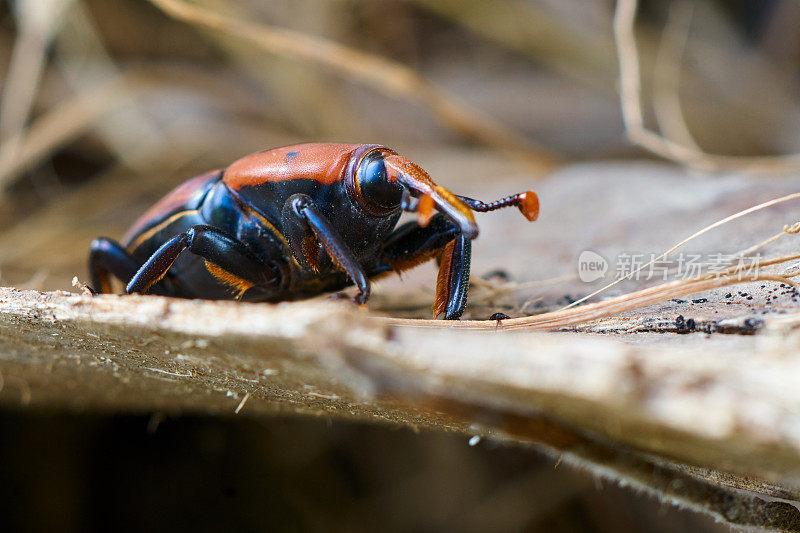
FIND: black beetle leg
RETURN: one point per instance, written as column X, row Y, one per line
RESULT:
column 302, row 208
column 457, row 276
column 235, row 263
column 108, row 258
column 412, row 244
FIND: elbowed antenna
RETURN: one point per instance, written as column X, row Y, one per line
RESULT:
column 527, row 202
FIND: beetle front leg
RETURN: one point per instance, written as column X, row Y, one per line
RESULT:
column 412, row 244
column 452, row 284
column 227, row 259
column 300, row 208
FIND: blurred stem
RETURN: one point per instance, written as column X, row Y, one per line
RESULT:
column 532, row 30
column 389, row 77
column 313, row 102
column 37, row 23
column 633, row 116
column 667, row 75
column 63, row 123
column 85, row 64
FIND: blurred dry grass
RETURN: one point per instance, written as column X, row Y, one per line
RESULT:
column 108, row 103
column 513, row 76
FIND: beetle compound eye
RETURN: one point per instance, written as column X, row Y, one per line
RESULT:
column 374, row 184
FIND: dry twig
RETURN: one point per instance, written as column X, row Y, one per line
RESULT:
column 667, row 75
column 38, row 23
column 606, row 308
column 581, row 52
column 633, row 116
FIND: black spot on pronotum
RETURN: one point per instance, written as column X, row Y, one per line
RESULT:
column 291, row 155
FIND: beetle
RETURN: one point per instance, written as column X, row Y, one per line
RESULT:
column 294, row 222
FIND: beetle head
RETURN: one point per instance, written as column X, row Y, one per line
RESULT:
column 387, row 181
column 384, row 181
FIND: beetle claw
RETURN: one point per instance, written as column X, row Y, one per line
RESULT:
column 339, row 296
column 85, row 289
column 359, row 299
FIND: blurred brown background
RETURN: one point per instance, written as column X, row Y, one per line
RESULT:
column 107, row 104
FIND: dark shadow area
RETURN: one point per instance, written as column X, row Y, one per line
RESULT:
column 154, row 473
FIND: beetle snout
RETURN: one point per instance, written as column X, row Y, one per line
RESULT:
column 430, row 196
column 453, row 208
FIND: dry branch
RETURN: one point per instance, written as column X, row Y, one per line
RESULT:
column 640, row 414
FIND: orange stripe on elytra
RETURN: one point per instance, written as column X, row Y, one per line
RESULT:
column 176, row 200
column 155, row 229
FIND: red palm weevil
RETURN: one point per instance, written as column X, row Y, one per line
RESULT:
column 294, row 222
